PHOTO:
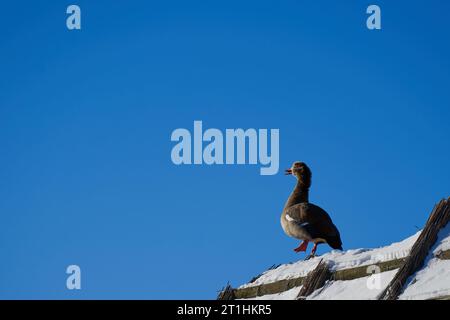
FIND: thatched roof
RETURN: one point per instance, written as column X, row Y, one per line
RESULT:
column 406, row 264
column 438, row 219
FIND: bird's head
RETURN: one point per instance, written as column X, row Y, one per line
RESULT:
column 301, row 171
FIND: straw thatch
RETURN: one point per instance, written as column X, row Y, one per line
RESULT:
column 315, row 279
column 439, row 217
column 286, row 284
column 226, row 293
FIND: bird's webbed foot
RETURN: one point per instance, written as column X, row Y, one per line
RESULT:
column 310, row 257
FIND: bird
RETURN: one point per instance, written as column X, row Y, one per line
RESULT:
column 305, row 221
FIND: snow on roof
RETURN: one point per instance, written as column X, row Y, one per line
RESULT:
column 338, row 260
column 356, row 289
column 432, row 281
column 290, row 294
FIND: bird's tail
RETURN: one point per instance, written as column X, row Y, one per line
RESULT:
column 335, row 242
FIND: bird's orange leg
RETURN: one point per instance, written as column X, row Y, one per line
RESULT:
column 302, row 247
column 313, row 251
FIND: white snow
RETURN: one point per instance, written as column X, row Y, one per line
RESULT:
column 290, row 294
column 338, row 260
column 366, row 288
column 443, row 241
column 432, row 281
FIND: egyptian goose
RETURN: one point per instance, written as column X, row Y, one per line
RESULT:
column 305, row 221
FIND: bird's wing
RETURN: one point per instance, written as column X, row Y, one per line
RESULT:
column 314, row 216
column 297, row 214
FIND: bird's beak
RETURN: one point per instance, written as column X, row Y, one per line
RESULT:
column 288, row 172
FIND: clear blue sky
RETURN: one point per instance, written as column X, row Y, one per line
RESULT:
column 86, row 116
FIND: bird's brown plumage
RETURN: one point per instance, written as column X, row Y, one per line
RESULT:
column 303, row 220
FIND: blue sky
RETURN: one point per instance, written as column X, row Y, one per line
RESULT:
column 86, row 117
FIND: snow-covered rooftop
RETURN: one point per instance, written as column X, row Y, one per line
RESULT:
column 432, row 281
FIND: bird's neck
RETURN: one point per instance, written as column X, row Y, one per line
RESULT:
column 299, row 194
